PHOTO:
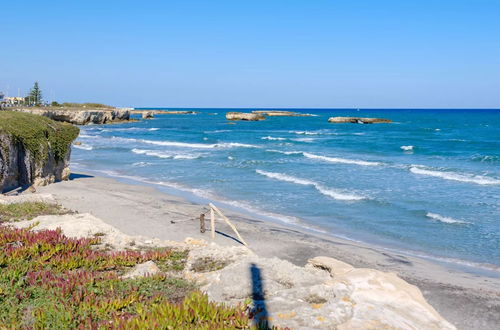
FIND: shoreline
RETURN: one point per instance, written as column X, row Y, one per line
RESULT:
column 466, row 300
column 467, row 266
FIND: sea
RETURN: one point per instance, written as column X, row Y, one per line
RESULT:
column 427, row 184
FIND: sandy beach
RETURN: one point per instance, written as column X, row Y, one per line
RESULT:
column 468, row 300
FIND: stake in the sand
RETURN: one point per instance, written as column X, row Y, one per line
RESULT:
column 202, row 223
column 212, row 220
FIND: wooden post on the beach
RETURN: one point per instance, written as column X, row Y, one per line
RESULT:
column 212, row 222
column 212, row 208
column 202, row 223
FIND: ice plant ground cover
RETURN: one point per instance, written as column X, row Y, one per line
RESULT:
column 48, row 280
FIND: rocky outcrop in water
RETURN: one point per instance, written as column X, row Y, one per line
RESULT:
column 358, row 120
column 147, row 115
column 244, row 116
column 33, row 150
column 81, row 116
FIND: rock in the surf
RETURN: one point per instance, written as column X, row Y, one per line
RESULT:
column 244, row 116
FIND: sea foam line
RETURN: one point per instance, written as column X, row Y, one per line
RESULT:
column 323, row 190
column 462, row 177
column 163, row 154
column 189, row 145
column 340, row 160
column 83, row 146
column 444, row 219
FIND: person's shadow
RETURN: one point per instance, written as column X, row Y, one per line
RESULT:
column 259, row 311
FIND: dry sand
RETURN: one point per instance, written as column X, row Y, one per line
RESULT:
column 468, row 300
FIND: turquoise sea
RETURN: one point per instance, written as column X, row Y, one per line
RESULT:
column 428, row 184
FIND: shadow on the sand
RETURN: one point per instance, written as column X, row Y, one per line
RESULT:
column 76, row 176
column 259, row 311
column 229, row 236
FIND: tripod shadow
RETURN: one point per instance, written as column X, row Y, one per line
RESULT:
column 259, row 311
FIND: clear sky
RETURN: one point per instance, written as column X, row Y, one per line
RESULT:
column 237, row 53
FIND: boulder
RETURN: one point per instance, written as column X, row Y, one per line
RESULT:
column 244, row 116
column 358, row 120
column 325, row 294
column 33, row 150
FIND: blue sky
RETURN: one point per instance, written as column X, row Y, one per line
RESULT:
column 255, row 53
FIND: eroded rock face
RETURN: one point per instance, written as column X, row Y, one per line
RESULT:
column 244, row 116
column 358, row 120
column 33, row 151
column 82, row 117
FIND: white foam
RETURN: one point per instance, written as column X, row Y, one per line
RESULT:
column 444, row 219
column 341, row 160
column 325, row 191
column 462, row 177
column 163, row 154
column 304, row 132
column 407, row 148
column 153, row 129
column 189, row 145
column 273, row 138
column 285, row 152
column 83, row 146
column 305, row 139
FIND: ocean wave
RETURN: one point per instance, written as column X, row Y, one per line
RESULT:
column 323, row 190
column 188, row 145
column 218, row 131
column 83, row 146
column 305, row 139
column 86, row 136
column 340, row 160
column 462, row 177
column 407, row 148
column 285, row 152
column 444, row 219
column 153, row 129
column 273, row 138
column 163, row 154
column 486, row 158
column 304, row 132
column 141, row 164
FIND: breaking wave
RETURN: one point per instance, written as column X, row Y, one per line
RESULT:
column 461, row 177
column 444, row 219
column 340, row 160
column 164, row 154
column 323, row 190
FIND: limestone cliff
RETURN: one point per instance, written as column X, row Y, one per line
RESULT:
column 80, row 116
column 33, row 150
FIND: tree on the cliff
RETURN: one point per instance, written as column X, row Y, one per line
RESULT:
column 35, row 95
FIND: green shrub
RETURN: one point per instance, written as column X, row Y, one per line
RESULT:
column 28, row 211
column 38, row 133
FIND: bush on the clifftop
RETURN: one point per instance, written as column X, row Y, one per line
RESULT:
column 37, row 132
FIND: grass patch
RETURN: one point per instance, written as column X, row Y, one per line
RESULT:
column 28, row 211
column 208, row 264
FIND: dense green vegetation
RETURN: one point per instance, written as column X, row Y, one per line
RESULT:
column 37, row 133
column 82, row 105
column 50, row 281
column 28, row 211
